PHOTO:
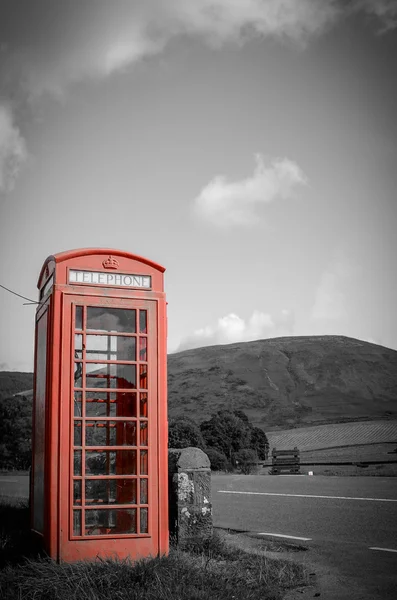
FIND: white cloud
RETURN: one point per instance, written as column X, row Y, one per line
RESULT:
column 234, row 203
column 219, row 21
column 13, row 152
column 104, row 39
column 146, row 28
column 232, row 328
column 384, row 10
column 99, row 39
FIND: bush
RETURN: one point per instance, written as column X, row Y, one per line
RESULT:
column 246, row 459
column 218, row 460
column 184, row 433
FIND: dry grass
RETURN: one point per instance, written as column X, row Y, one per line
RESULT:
column 210, row 570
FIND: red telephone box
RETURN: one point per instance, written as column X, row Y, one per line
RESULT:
column 99, row 472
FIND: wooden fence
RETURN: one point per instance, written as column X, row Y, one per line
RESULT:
column 285, row 461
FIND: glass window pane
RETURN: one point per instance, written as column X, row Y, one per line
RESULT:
column 126, row 348
column 110, row 433
column 77, row 522
column 77, row 404
column 110, row 462
column 78, row 371
column 78, row 346
column 77, row 492
column 79, row 317
column 110, row 404
column 143, row 376
column 125, row 404
column 100, row 433
column 143, row 348
column 128, row 433
column 97, row 404
column 144, row 491
column 110, row 491
column 144, row 520
column 77, row 462
column 102, row 318
column 144, row 433
column 107, row 521
column 107, row 347
column 142, row 321
column 110, row 376
column 144, row 462
column 77, row 433
column 143, row 405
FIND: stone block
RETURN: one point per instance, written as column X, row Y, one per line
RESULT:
column 190, row 507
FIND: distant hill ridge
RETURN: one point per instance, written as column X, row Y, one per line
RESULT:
column 286, row 382
column 279, row 383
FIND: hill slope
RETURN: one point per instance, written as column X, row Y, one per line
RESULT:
column 286, row 382
column 279, row 383
column 13, row 382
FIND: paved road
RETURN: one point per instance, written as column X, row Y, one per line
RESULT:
column 16, row 486
column 343, row 517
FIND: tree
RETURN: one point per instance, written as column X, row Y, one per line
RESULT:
column 218, row 460
column 241, row 415
column 226, row 432
column 259, row 442
column 246, row 459
column 15, row 433
column 183, row 433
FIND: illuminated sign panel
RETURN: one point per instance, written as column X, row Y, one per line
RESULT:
column 112, row 279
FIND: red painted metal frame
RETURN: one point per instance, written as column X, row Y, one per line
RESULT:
column 58, row 542
column 152, row 418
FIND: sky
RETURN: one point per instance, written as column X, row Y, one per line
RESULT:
column 248, row 146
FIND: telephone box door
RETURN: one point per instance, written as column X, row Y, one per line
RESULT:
column 109, row 428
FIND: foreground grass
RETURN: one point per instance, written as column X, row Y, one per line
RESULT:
column 210, row 570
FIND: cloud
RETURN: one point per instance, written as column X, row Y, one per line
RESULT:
column 330, row 303
column 68, row 42
column 48, row 46
column 385, row 11
column 13, row 152
column 220, row 21
column 55, row 44
column 234, row 203
column 232, row 328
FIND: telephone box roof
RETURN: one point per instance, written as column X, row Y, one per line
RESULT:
column 62, row 256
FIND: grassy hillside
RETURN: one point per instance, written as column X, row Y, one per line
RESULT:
column 286, row 382
column 279, row 383
column 13, row 382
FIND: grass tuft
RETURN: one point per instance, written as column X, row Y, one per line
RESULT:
column 204, row 570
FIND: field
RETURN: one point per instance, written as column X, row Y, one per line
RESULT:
column 324, row 448
column 335, row 435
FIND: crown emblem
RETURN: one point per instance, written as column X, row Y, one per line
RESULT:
column 111, row 263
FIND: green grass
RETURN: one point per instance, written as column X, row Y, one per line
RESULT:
column 207, row 570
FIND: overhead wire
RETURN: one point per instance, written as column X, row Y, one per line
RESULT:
column 20, row 296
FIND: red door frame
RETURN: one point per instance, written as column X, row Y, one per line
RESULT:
column 69, row 548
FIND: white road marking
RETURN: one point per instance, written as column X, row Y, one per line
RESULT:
column 308, row 496
column 291, row 537
column 384, row 549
